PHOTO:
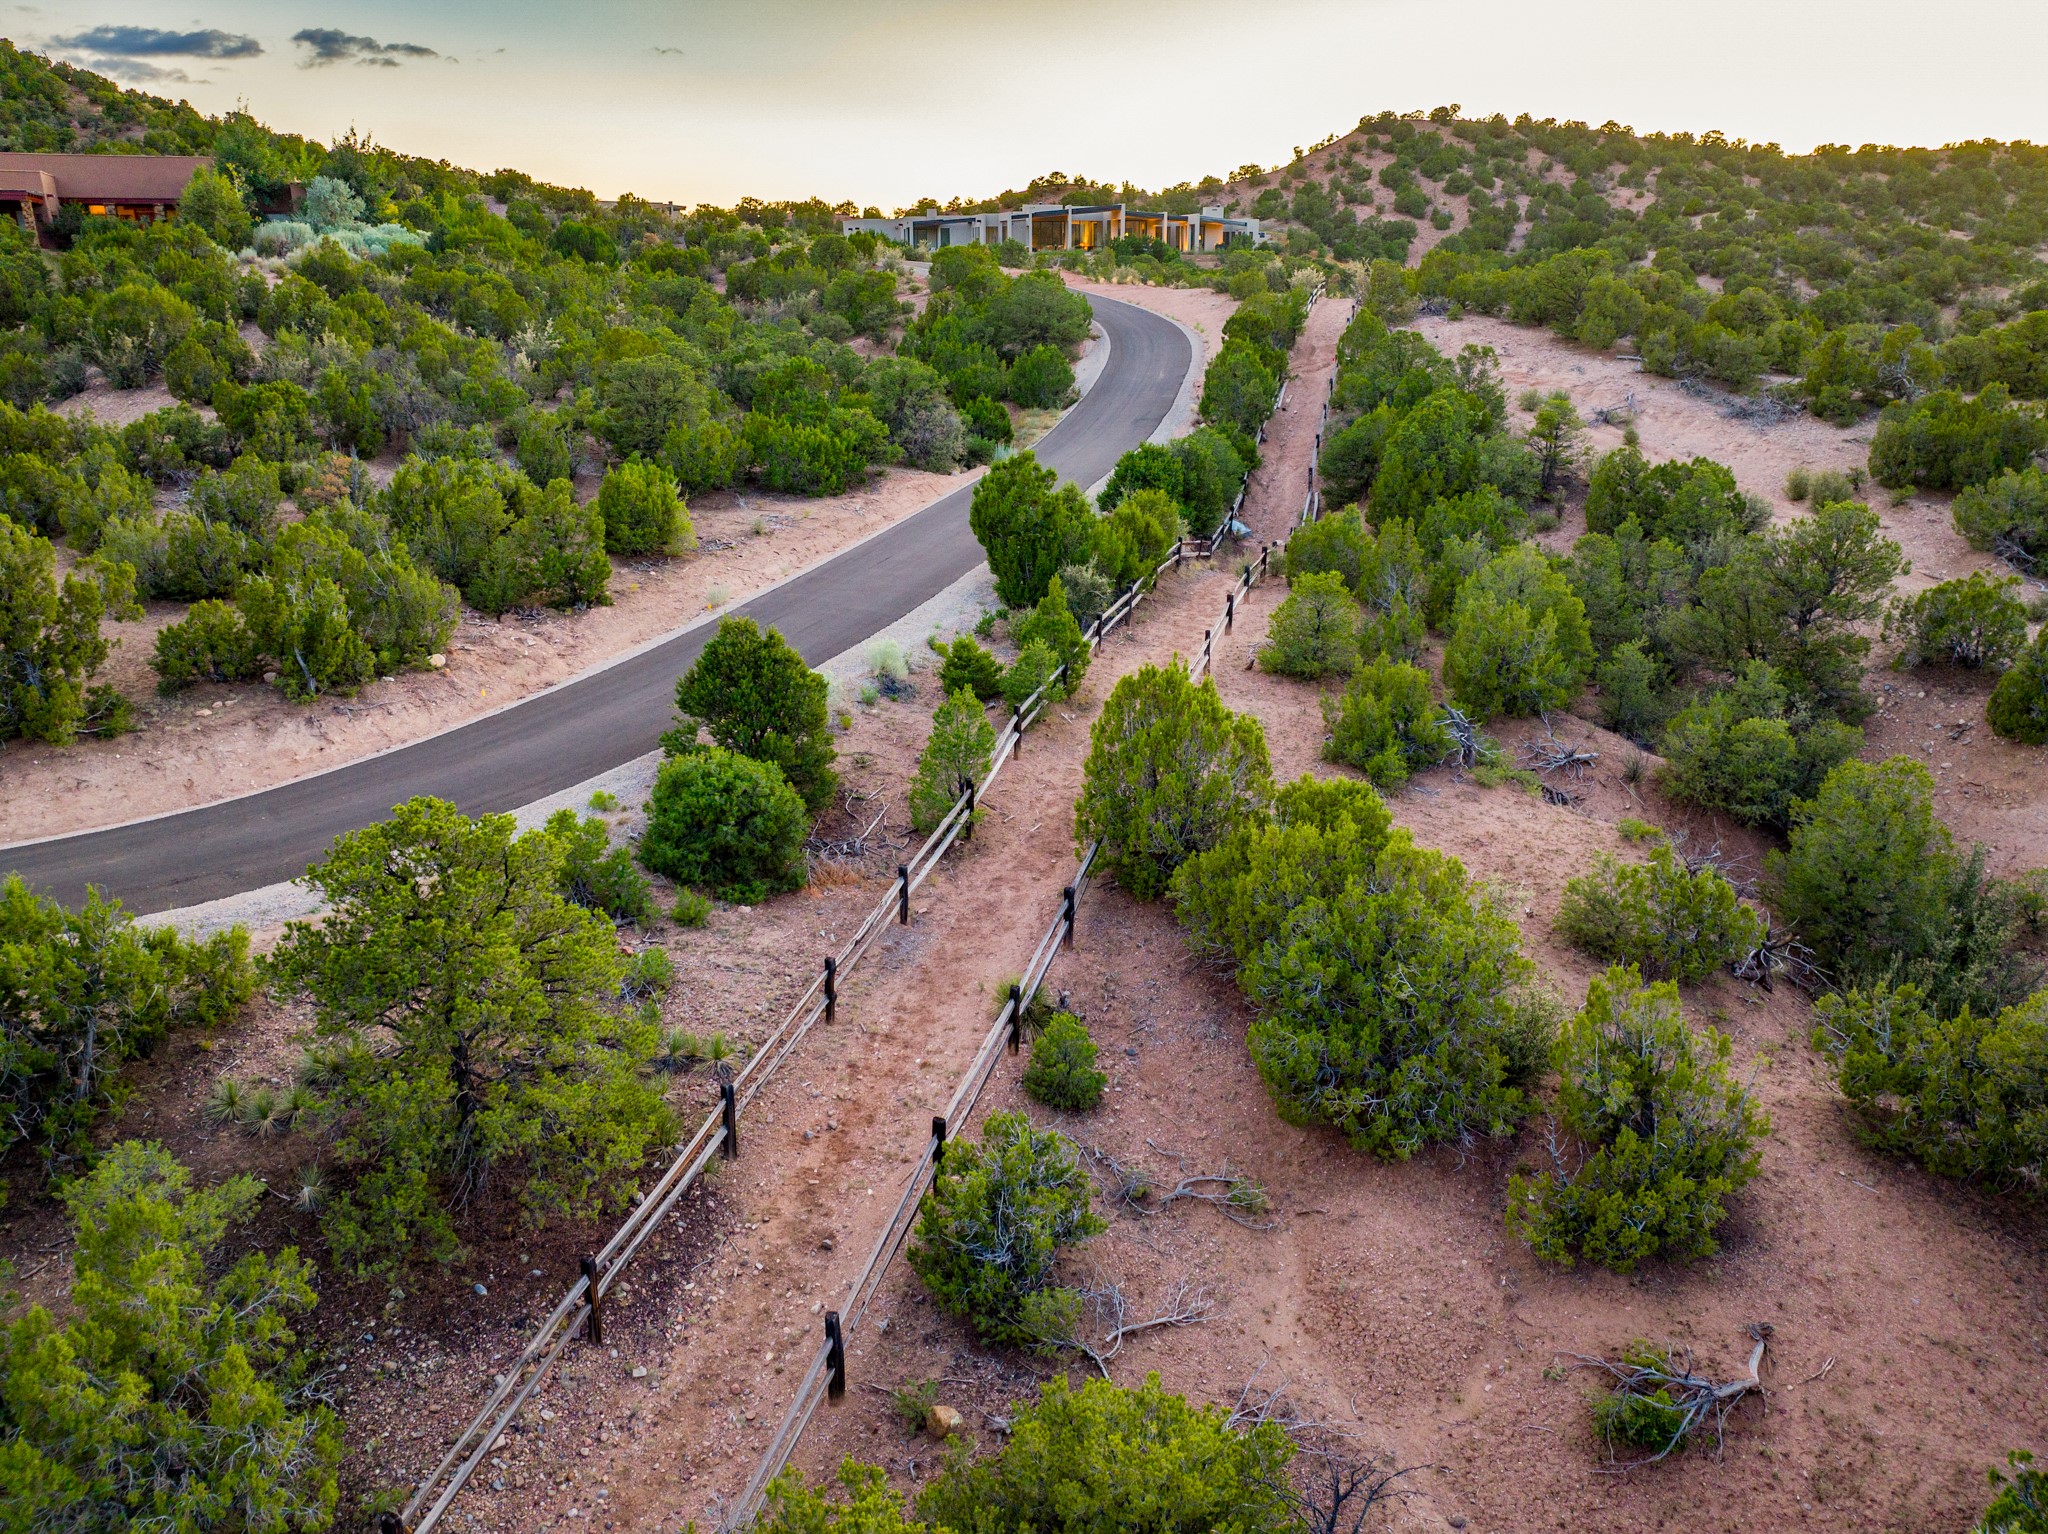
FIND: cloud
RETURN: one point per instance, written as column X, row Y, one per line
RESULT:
column 331, row 45
column 154, row 42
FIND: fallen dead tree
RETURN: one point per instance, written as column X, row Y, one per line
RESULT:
column 1661, row 1402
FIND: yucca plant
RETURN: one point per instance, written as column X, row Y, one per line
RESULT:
column 225, row 1100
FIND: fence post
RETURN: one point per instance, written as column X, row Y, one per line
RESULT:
column 938, row 1134
column 589, row 1266
column 1017, row 724
column 903, row 894
column 835, row 1357
column 390, row 1523
column 729, row 1112
column 1229, row 611
column 967, row 825
column 1016, row 1016
column 831, row 988
column 1067, row 912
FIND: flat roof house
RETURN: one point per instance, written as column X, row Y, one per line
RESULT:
column 1059, row 226
column 33, row 187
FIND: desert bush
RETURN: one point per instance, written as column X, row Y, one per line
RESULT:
column 868, row 1505
column 1666, row 1130
column 1687, row 503
column 1148, row 466
column 1134, row 539
column 545, row 449
column 692, row 909
column 1386, row 724
column 2009, row 513
column 1671, row 923
column 1031, row 670
column 1389, row 988
column 245, row 495
column 1973, row 622
column 503, row 1051
column 596, row 875
column 1745, row 752
column 173, row 1395
column 957, row 752
column 1075, row 1460
column 2018, row 706
column 1041, row 378
column 753, row 694
column 1314, row 632
column 993, row 1225
column 1170, row 772
column 1336, row 542
column 1089, row 593
column 51, row 647
column 87, row 991
column 1966, row 1095
column 728, row 824
column 968, row 665
column 1062, row 1071
column 1239, row 388
column 1051, row 624
column 1029, row 525
column 210, row 643
column 304, row 624
column 2020, row 1502
column 642, row 511
column 1947, row 441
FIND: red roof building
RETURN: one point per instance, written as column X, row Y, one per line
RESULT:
column 33, row 187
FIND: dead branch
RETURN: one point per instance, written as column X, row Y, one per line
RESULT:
column 1339, row 1495
column 1780, row 952
column 1553, row 755
column 1187, row 1306
column 1240, row 1198
column 1670, row 1381
column 1469, row 745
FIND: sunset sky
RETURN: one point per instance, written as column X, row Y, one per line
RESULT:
column 884, row 101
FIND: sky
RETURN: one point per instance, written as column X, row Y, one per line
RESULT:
column 886, row 102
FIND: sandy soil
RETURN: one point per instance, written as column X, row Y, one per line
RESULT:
column 211, row 742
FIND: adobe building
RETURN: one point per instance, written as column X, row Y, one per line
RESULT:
column 1056, row 226
column 143, row 187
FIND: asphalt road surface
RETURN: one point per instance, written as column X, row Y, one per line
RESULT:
column 586, row 726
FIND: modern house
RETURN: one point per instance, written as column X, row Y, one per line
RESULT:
column 145, row 187
column 1058, row 226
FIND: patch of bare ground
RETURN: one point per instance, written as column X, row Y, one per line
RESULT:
column 214, row 742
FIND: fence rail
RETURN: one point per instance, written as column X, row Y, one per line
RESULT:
column 582, row 1306
column 826, row 1376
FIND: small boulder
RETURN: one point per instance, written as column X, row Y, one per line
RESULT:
column 943, row 1422
column 437, row 662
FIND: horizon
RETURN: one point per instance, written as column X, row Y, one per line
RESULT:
column 889, row 104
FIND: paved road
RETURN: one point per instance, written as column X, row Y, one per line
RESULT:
column 593, row 723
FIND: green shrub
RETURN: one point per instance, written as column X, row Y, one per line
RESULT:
column 503, row 1055
column 51, row 647
column 957, row 752
column 210, row 644
column 1388, row 986
column 545, row 450
column 1041, row 379
column 595, row 874
column 1667, row 1133
column 691, row 909
column 1148, row 466
column 1737, row 751
column 1314, row 632
column 727, row 824
column 1947, row 441
column 1062, row 1071
column 1030, row 671
column 1670, row 923
column 1029, row 525
column 2009, row 513
column 1966, row 1095
column 1133, row 540
column 642, row 511
column 245, row 495
column 87, row 991
column 305, row 625
column 39, row 495
column 1240, row 387
column 993, row 1225
column 1632, row 697
column 1107, row 1457
column 1170, row 772
column 1519, row 640
column 2021, row 1503
column 968, row 665
column 173, row 1395
column 871, row 1505
column 1336, row 542
column 1686, row 503
column 2018, row 707
column 1052, row 625
column 1641, row 1420
column 1973, row 622
column 1386, row 724
column 754, row 695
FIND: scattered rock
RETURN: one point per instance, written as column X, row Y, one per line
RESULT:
column 479, row 1290
column 639, row 1371
column 270, row 679
column 943, row 1421
column 825, row 1245
column 437, row 662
